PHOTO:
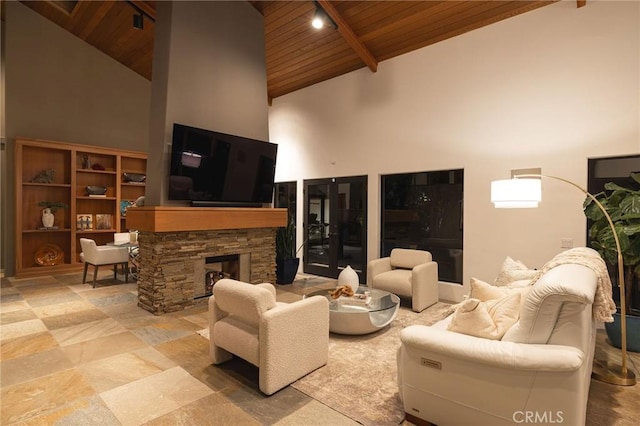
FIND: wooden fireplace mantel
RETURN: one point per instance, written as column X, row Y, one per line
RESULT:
column 177, row 219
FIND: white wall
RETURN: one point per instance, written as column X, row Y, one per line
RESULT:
column 550, row 89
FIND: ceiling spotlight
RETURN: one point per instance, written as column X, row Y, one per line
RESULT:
column 318, row 19
column 138, row 22
column 321, row 18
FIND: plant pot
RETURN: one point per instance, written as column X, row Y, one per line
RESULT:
column 286, row 270
column 633, row 332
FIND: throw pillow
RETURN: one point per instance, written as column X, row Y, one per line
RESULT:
column 514, row 270
column 488, row 320
column 484, row 291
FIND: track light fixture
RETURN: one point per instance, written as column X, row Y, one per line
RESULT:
column 139, row 15
column 320, row 18
column 138, row 21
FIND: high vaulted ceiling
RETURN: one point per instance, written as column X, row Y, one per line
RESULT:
column 297, row 55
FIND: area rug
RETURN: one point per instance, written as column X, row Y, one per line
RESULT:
column 360, row 379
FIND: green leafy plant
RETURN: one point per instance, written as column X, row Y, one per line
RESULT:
column 53, row 205
column 623, row 205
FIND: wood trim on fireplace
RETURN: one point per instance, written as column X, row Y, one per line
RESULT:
column 174, row 219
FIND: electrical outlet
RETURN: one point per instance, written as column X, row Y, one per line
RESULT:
column 566, row 243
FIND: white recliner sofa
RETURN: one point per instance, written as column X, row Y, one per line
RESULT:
column 408, row 273
column 284, row 340
column 540, row 369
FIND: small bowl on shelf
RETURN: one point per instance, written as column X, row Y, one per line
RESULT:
column 134, row 177
column 96, row 190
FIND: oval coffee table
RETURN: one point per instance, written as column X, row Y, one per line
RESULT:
column 347, row 317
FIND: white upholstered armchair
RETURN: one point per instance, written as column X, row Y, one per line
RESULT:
column 408, row 273
column 284, row 340
column 540, row 369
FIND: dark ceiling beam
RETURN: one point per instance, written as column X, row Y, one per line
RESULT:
column 349, row 36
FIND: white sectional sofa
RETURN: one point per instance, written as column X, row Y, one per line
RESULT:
column 539, row 371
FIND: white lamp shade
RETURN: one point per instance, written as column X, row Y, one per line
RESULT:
column 516, row 193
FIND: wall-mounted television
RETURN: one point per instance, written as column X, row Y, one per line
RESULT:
column 210, row 168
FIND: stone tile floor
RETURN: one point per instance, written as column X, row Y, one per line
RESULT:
column 74, row 355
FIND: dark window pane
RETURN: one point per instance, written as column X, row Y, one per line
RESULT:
column 424, row 211
column 286, row 197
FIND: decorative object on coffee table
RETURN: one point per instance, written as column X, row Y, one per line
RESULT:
column 49, row 255
column 349, row 277
column 343, row 290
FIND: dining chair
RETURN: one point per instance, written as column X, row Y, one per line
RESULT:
column 95, row 255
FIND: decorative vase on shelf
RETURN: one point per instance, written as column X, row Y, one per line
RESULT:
column 47, row 218
column 349, row 277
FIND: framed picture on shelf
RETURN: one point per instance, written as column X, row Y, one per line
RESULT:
column 104, row 221
column 84, row 222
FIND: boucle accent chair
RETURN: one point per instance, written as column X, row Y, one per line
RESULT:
column 408, row 273
column 284, row 340
column 541, row 368
column 95, row 255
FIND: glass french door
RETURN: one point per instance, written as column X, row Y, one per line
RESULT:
column 335, row 226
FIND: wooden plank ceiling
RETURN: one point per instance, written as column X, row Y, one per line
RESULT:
column 297, row 55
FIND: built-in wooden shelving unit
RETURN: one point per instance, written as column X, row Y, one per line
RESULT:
column 75, row 167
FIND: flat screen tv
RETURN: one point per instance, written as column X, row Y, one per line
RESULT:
column 210, row 168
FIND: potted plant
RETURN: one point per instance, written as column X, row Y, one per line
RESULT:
column 50, row 207
column 623, row 205
column 287, row 261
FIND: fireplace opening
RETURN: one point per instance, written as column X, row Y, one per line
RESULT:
column 215, row 269
column 209, row 269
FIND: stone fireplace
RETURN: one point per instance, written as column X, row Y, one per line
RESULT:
column 179, row 259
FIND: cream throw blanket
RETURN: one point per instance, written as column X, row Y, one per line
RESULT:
column 603, row 304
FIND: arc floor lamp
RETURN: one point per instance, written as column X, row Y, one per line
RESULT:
column 525, row 191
